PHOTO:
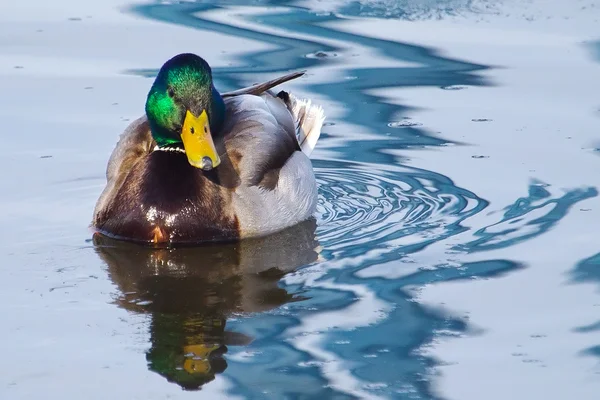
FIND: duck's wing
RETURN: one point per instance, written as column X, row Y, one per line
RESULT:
column 277, row 186
column 260, row 88
column 135, row 143
column 263, row 131
column 259, row 137
column 307, row 118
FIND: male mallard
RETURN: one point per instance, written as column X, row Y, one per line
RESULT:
column 204, row 166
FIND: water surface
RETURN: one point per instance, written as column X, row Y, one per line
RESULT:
column 452, row 254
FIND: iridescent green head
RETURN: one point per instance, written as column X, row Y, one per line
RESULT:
column 185, row 110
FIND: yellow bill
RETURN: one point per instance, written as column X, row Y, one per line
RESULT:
column 198, row 143
column 199, row 363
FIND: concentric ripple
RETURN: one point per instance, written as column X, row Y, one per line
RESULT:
column 359, row 201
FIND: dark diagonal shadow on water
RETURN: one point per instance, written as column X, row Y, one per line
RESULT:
column 359, row 330
column 588, row 271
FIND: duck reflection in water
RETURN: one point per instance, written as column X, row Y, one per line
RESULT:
column 190, row 292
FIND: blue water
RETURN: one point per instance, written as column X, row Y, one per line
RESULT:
column 330, row 308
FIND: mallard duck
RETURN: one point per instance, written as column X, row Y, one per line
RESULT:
column 201, row 166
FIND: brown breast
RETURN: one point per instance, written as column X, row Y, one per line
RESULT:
column 166, row 200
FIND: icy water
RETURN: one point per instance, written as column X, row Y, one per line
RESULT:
column 454, row 254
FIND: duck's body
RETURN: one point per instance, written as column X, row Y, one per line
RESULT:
column 264, row 181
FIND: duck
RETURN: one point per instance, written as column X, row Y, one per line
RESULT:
column 203, row 166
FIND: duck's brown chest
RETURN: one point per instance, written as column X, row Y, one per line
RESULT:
column 166, row 200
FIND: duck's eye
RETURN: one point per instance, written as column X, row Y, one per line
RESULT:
column 170, row 92
column 192, row 130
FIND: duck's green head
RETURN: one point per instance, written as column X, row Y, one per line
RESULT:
column 185, row 110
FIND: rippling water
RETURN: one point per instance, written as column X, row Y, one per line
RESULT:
column 331, row 308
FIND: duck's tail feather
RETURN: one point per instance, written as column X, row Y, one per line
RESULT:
column 308, row 118
column 260, row 88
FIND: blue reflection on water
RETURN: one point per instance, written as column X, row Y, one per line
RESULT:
column 361, row 330
column 594, row 48
column 588, row 271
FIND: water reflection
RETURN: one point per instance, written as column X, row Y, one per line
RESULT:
column 413, row 9
column 588, row 271
column 190, row 293
column 522, row 220
column 594, row 49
